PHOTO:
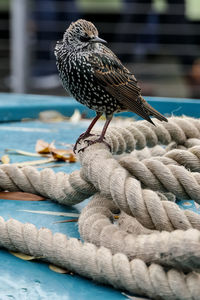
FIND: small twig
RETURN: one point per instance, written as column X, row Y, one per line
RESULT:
column 66, row 221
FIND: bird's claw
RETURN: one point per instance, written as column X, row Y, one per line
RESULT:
column 91, row 142
column 82, row 136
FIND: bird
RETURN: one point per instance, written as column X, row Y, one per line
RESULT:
column 96, row 77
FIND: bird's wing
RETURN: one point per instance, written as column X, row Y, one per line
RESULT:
column 119, row 82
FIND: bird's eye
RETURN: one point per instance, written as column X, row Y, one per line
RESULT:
column 84, row 38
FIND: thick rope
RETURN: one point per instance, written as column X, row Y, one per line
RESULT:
column 98, row 263
column 165, row 248
column 173, row 178
column 72, row 188
column 67, row 189
column 133, row 251
column 141, row 134
column 189, row 158
column 126, row 191
column 146, row 205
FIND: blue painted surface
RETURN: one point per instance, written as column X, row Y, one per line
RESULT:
column 14, row 107
column 34, row 280
column 28, row 280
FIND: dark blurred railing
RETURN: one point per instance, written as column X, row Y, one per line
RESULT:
column 155, row 39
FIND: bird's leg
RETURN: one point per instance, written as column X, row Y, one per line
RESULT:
column 101, row 138
column 87, row 132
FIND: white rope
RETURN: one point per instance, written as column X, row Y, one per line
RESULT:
column 153, row 239
column 98, row 263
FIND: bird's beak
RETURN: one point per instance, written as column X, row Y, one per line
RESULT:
column 96, row 39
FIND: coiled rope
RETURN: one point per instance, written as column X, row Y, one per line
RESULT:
column 153, row 248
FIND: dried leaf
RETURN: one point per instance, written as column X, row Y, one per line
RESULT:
column 25, row 153
column 58, row 269
column 64, row 155
column 23, row 256
column 43, row 147
column 5, row 159
column 72, row 158
column 187, row 203
column 58, row 165
column 58, row 154
column 21, row 196
column 34, row 162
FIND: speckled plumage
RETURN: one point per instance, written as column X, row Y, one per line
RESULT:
column 94, row 76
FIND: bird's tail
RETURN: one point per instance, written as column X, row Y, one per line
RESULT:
column 151, row 111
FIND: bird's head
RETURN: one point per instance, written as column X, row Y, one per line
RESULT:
column 82, row 35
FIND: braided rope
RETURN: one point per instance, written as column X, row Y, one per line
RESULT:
column 132, row 252
column 189, row 158
column 173, row 178
column 126, row 191
column 96, row 226
column 141, row 134
column 98, row 263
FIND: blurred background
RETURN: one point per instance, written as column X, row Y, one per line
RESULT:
column 158, row 40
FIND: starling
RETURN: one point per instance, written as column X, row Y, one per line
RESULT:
column 95, row 77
